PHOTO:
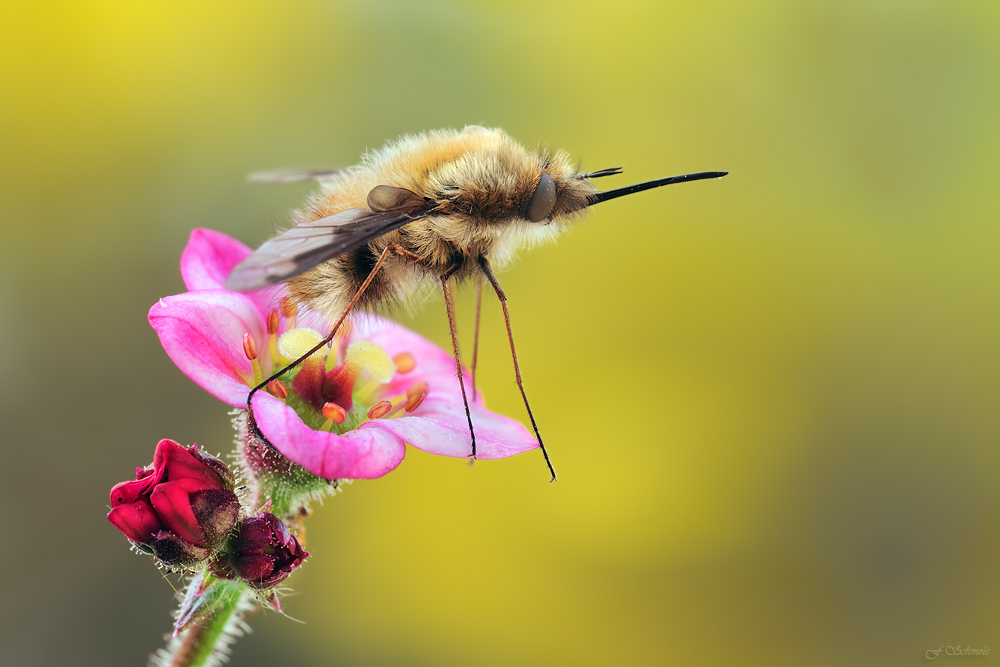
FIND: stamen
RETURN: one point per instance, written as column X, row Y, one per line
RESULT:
column 250, row 350
column 288, row 310
column 278, row 388
column 380, row 409
column 373, row 359
column 346, row 328
column 249, row 346
column 417, row 388
column 404, row 362
column 272, row 339
column 334, row 413
column 296, row 342
column 413, row 402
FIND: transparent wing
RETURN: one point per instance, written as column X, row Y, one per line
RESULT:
column 292, row 175
column 311, row 243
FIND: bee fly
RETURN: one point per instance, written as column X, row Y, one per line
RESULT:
column 428, row 208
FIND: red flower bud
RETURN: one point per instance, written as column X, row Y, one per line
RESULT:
column 182, row 509
column 263, row 552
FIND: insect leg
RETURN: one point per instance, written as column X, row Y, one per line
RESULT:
column 475, row 338
column 458, row 358
column 488, row 271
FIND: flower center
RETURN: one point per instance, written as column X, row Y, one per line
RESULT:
column 338, row 387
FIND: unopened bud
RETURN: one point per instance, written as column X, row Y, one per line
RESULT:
column 181, row 509
column 264, row 552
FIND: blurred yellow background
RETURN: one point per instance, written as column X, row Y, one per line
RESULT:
column 772, row 399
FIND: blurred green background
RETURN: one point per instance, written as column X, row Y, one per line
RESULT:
column 772, row 399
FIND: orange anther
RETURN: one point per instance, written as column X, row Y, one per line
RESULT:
column 380, row 409
column 334, row 413
column 272, row 322
column 249, row 347
column 413, row 402
column 278, row 388
column 417, row 388
column 404, row 362
column 288, row 308
column 345, row 329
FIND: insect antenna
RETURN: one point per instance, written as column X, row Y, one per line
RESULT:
column 446, row 287
column 488, row 271
column 612, row 171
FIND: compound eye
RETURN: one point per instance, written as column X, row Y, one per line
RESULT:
column 543, row 201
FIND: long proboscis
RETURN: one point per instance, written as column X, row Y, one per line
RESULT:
column 649, row 185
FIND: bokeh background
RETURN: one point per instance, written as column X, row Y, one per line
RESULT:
column 772, row 399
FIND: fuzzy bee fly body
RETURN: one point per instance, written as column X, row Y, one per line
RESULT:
column 428, row 208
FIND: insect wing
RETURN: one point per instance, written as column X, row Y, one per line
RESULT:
column 311, row 243
column 292, row 175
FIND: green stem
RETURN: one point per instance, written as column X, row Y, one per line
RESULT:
column 207, row 639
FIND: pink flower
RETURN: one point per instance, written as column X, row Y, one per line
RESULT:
column 347, row 415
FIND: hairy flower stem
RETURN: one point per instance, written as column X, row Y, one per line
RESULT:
column 206, row 642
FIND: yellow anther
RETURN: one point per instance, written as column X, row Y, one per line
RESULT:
column 372, row 358
column 296, row 342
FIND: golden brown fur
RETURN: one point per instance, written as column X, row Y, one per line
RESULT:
column 479, row 182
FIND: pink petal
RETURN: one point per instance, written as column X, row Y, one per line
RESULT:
column 439, row 425
column 202, row 332
column 445, row 431
column 209, row 258
column 365, row 453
